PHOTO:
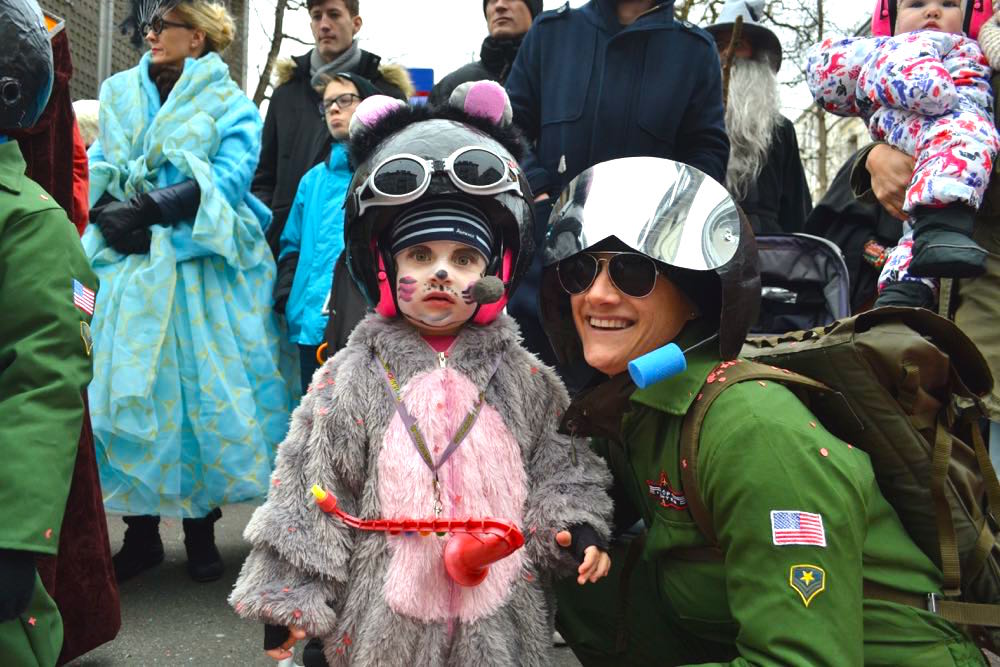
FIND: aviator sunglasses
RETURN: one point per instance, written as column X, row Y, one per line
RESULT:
column 631, row 273
column 403, row 178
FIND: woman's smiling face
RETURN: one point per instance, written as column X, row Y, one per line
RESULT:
column 616, row 328
column 433, row 285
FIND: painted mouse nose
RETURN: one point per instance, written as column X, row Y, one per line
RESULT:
column 441, row 275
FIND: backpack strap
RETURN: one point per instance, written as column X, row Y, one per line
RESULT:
column 727, row 374
column 959, row 613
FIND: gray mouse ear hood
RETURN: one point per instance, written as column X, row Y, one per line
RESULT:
column 672, row 213
column 385, row 132
column 26, row 69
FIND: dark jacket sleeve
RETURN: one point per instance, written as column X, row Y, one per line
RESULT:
column 702, row 141
column 524, row 89
column 796, row 202
column 265, row 178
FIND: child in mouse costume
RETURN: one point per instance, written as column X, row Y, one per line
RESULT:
column 433, row 411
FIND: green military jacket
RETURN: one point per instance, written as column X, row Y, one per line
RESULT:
column 781, row 596
column 47, row 294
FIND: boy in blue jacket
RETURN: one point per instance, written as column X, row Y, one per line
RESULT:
column 313, row 237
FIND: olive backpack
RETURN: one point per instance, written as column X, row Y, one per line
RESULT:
column 889, row 381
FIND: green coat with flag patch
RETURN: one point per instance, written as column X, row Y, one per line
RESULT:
column 800, row 521
column 46, row 300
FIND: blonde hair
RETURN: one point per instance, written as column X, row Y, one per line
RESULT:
column 86, row 118
column 211, row 18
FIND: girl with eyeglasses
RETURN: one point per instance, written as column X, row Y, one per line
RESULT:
column 313, row 237
column 188, row 402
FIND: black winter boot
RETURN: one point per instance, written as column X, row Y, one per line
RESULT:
column 943, row 245
column 909, row 293
column 141, row 549
column 204, row 562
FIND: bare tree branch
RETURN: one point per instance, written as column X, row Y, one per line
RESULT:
column 272, row 55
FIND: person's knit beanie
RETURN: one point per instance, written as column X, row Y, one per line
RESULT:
column 442, row 219
column 534, row 6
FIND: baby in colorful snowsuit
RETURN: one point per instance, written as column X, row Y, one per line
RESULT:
column 925, row 91
column 434, row 412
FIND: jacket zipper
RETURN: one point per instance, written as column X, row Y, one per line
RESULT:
column 442, row 359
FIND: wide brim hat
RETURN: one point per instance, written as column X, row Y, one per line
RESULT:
column 762, row 39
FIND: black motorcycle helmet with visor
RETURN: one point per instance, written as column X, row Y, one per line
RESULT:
column 675, row 215
column 26, row 68
column 421, row 152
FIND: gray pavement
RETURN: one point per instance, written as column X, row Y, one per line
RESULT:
column 167, row 619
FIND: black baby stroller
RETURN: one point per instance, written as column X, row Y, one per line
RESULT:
column 804, row 283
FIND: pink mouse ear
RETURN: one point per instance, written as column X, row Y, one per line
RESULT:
column 372, row 110
column 483, row 99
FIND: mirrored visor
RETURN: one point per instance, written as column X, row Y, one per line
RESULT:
column 667, row 210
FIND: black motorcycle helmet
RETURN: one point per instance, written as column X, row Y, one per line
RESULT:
column 675, row 215
column 26, row 69
column 432, row 135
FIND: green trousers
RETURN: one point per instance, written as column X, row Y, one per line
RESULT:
column 35, row 638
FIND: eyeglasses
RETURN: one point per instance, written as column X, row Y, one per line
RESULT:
column 404, row 178
column 345, row 101
column 158, row 24
column 631, row 273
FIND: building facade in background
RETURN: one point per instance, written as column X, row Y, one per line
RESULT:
column 99, row 48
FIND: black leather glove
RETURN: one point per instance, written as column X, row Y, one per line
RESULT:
column 283, row 283
column 125, row 224
column 177, row 202
column 17, row 582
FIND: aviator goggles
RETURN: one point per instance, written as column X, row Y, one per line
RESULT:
column 403, row 178
column 631, row 273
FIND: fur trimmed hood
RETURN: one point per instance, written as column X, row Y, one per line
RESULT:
column 395, row 75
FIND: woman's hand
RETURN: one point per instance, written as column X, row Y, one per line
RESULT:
column 891, row 171
column 596, row 563
column 295, row 633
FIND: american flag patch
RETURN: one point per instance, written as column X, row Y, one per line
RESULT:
column 83, row 298
column 792, row 527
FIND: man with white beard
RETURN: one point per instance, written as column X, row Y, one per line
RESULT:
column 765, row 173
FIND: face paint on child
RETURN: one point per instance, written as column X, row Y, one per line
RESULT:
column 435, row 277
column 407, row 286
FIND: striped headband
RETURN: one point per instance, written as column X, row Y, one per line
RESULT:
column 442, row 220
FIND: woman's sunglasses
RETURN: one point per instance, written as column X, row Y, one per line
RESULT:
column 403, row 178
column 158, row 24
column 632, row 273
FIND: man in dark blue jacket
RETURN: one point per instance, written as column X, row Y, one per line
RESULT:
column 612, row 79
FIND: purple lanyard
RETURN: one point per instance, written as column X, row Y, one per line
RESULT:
column 417, row 437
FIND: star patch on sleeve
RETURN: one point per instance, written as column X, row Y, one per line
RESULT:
column 808, row 581
column 88, row 340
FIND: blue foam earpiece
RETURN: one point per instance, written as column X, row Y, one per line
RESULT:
column 660, row 364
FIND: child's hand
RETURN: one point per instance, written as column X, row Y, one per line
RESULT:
column 295, row 633
column 596, row 563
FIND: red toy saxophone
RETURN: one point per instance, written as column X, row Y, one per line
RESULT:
column 473, row 546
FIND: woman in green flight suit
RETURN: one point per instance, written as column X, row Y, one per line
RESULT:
column 642, row 252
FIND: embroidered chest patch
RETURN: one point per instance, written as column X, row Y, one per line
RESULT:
column 665, row 494
column 808, row 581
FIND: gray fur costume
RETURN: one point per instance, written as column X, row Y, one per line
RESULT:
column 308, row 569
